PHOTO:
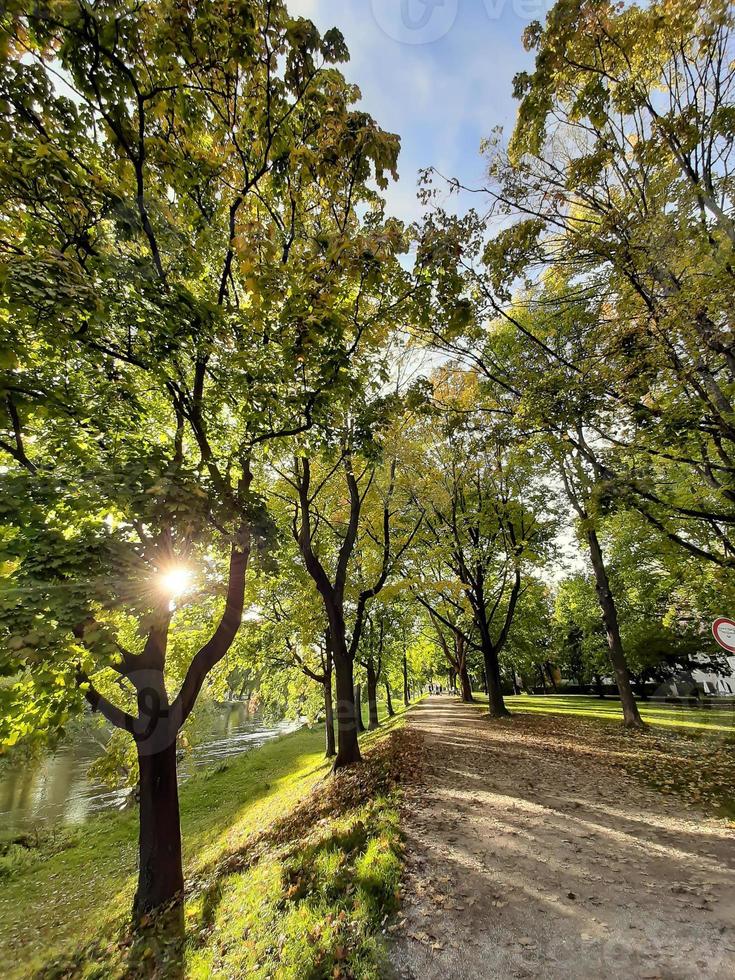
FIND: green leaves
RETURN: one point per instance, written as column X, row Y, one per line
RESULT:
column 194, row 255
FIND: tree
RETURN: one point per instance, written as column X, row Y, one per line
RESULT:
column 484, row 526
column 529, row 653
column 373, row 650
column 294, row 635
column 454, row 644
column 620, row 173
column 577, row 486
column 582, row 647
column 162, row 228
column 381, row 650
column 343, row 507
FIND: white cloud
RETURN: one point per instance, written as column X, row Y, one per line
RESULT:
column 440, row 97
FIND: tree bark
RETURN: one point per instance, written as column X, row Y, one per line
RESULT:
column 160, row 875
column 359, row 723
column 631, row 715
column 388, row 700
column 372, row 683
column 492, row 673
column 406, row 692
column 331, row 748
column 495, row 690
column 464, row 677
column 348, row 749
column 466, row 686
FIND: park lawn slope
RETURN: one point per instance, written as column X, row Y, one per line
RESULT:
column 64, row 911
column 714, row 719
column 692, row 758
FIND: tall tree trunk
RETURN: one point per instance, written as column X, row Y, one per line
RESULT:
column 348, row 749
column 495, row 690
column 484, row 681
column 492, row 674
column 359, row 723
column 388, row 700
column 464, row 678
column 331, row 748
column 406, row 692
column 160, row 874
column 372, row 685
column 631, row 715
column 465, row 684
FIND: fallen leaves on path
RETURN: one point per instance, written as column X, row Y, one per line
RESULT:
column 542, row 846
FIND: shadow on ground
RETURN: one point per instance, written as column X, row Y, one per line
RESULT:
column 532, row 857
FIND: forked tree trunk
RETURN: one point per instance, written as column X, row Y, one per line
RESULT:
column 348, row 749
column 359, row 723
column 631, row 715
column 406, row 692
column 388, row 701
column 372, row 683
column 331, row 749
column 160, row 875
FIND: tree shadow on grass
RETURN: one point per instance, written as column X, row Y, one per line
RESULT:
column 157, row 948
column 303, row 840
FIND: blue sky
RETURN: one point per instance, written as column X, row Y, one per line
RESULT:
column 437, row 72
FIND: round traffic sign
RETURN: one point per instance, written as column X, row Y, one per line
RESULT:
column 723, row 631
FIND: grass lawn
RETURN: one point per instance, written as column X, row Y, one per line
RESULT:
column 64, row 906
column 714, row 719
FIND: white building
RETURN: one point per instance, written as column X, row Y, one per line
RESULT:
column 717, row 685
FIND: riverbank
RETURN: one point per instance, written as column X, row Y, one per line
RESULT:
column 64, row 911
column 43, row 790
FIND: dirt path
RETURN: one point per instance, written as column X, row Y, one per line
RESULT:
column 524, row 863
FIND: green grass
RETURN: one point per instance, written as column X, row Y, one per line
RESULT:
column 78, row 890
column 708, row 720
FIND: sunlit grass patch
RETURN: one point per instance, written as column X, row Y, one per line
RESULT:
column 714, row 719
column 64, row 912
column 313, row 911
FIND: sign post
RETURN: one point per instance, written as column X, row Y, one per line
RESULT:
column 723, row 631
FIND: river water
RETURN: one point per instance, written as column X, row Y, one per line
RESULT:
column 54, row 788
